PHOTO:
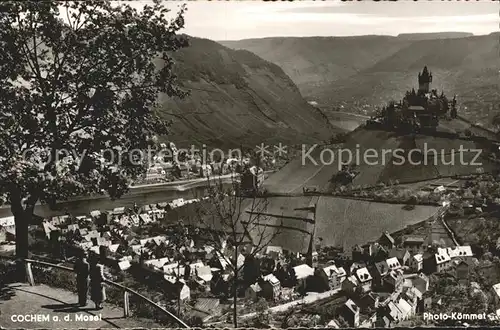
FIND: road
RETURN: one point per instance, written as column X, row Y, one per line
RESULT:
column 54, row 309
column 142, row 195
column 350, row 114
column 309, row 299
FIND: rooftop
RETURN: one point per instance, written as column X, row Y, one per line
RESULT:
column 496, row 288
column 352, row 306
column 460, row 251
column 418, row 257
column 393, row 263
column 442, row 256
column 303, row 271
column 363, row 274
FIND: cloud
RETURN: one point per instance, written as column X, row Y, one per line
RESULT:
column 229, row 20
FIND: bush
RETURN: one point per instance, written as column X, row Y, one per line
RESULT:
column 7, row 272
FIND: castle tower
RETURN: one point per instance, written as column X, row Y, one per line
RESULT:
column 424, row 81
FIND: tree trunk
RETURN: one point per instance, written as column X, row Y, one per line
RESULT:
column 21, row 222
column 235, row 288
column 21, row 219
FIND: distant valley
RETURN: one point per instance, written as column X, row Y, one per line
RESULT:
column 359, row 73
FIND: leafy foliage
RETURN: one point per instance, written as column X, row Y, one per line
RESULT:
column 78, row 79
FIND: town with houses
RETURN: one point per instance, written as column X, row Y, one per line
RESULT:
column 384, row 283
column 389, row 244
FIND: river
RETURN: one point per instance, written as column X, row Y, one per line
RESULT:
column 142, row 195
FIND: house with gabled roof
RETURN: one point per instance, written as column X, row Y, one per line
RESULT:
column 405, row 308
column 365, row 279
column 157, row 263
column 274, row 252
column 253, row 292
column 403, row 255
column 113, row 248
column 417, row 262
column 334, row 324
column 379, row 270
column 271, row 287
column 414, row 243
column 350, row 285
column 387, row 241
column 393, row 312
column 443, row 260
column 85, row 245
column 124, row 264
column 393, row 281
column 55, row 221
column 301, row 273
column 368, row 302
column 496, row 293
column 48, row 227
column 73, row 227
column 203, row 275
column 393, row 263
column 118, row 210
column 351, row 313
column 135, row 220
column 95, row 214
column 145, row 218
column 331, row 276
column 463, row 252
column 206, row 308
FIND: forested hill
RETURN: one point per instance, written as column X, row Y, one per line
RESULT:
column 238, row 98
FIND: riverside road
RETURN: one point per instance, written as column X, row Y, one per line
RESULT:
column 142, row 195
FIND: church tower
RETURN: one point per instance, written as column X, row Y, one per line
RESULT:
column 424, row 81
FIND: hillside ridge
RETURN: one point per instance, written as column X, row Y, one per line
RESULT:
column 237, row 98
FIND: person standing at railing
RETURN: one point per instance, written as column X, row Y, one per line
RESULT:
column 97, row 289
column 82, row 270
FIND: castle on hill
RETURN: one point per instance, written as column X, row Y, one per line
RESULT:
column 421, row 109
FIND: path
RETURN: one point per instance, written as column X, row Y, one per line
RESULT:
column 53, row 308
column 309, row 299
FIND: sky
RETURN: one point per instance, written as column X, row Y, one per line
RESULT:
column 234, row 20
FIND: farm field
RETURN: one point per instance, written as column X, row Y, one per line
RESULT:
column 456, row 125
column 344, row 222
column 301, row 172
column 466, row 165
column 298, row 174
column 442, row 144
column 295, row 236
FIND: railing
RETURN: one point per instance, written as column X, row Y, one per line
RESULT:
column 126, row 291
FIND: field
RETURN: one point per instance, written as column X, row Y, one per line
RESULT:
column 299, row 174
column 468, row 165
column 443, row 159
column 282, row 211
column 338, row 221
column 348, row 222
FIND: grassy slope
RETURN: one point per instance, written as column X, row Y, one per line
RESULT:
column 349, row 222
column 337, row 221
